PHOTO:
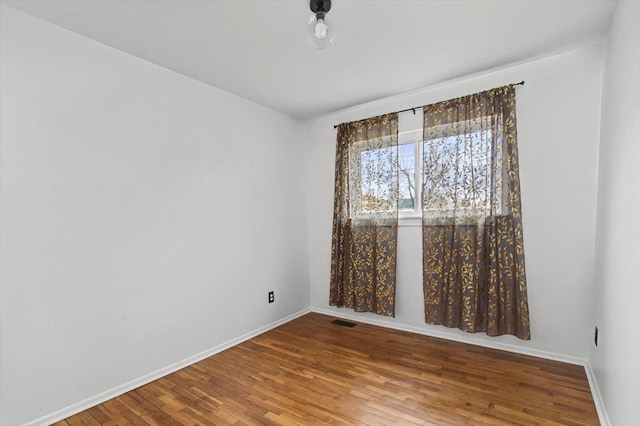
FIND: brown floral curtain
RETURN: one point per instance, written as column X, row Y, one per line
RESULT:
column 473, row 253
column 365, row 218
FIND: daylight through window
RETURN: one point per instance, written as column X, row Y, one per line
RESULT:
column 429, row 179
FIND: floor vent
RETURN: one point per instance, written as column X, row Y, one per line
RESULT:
column 344, row 323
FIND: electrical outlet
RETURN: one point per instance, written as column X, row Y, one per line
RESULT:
column 271, row 297
column 595, row 336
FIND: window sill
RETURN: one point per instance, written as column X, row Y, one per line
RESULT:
column 409, row 221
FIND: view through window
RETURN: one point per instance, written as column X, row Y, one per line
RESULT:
column 428, row 173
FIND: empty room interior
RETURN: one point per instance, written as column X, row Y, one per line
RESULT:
column 313, row 212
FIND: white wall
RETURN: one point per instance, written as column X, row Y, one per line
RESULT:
column 616, row 360
column 130, row 240
column 144, row 217
column 558, row 125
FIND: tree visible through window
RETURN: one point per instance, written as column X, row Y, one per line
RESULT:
column 428, row 173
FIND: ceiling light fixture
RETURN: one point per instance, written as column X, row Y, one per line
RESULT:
column 320, row 33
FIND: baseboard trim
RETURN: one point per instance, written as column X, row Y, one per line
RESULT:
column 450, row 336
column 591, row 378
column 136, row 383
column 597, row 396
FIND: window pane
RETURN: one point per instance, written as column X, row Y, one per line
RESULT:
column 457, row 172
column 407, row 176
column 378, row 180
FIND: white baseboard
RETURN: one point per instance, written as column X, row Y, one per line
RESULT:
column 458, row 338
column 597, row 396
column 133, row 384
column 593, row 384
column 136, row 383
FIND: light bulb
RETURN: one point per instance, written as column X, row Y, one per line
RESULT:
column 321, row 29
column 320, row 33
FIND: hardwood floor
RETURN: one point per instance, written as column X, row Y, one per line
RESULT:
column 313, row 372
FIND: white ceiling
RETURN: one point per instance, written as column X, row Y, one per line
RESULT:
column 259, row 49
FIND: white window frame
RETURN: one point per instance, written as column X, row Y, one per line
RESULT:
column 413, row 217
column 415, row 136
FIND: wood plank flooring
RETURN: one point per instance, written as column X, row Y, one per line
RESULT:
column 312, row 372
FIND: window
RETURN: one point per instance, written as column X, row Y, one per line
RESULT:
column 373, row 173
column 458, row 171
column 409, row 175
column 422, row 177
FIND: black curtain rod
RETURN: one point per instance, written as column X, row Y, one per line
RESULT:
column 415, row 108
